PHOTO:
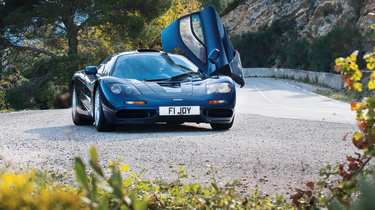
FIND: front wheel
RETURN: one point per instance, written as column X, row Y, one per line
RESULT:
column 78, row 119
column 100, row 122
column 222, row 127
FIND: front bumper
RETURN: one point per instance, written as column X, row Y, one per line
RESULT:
column 150, row 115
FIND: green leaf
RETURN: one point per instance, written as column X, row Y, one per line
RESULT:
column 366, row 197
column 214, row 185
column 336, row 205
column 94, row 161
column 139, row 205
column 93, row 193
column 115, row 181
column 80, row 171
column 103, row 205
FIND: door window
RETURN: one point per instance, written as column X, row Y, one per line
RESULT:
column 102, row 65
column 109, row 65
column 197, row 27
column 101, row 69
column 192, row 36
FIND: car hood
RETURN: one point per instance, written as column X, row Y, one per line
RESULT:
column 169, row 89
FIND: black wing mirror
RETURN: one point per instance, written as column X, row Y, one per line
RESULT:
column 214, row 56
column 91, row 70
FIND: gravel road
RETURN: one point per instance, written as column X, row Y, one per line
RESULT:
column 282, row 135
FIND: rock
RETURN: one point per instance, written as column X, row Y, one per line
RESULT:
column 63, row 100
column 313, row 18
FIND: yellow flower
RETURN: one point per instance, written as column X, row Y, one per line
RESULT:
column 112, row 163
column 354, row 66
column 124, row 168
column 369, row 57
column 127, row 182
column 357, row 87
column 353, row 56
column 357, row 136
column 357, row 75
column 371, row 66
column 355, row 106
column 371, row 85
column 340, row 61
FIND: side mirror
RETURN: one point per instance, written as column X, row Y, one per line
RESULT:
column 91, row 70
column 214, row 56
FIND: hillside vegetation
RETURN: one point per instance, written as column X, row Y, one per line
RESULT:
column 305, row 34
column 42, row 43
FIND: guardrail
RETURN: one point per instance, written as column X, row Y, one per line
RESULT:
column 330, row 80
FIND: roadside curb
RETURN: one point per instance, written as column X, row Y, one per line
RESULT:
column 324, row 79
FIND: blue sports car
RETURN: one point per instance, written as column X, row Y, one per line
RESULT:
column 191, row 80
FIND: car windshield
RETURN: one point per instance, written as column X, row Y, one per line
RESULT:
column 154, row 67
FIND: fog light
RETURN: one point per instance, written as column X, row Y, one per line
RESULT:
column 213, row 102
column 136, row 102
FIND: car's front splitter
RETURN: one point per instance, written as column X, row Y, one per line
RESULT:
column 142, row 115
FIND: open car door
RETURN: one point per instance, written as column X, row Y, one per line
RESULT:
column 202, row 38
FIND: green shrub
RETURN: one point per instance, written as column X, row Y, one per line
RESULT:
column 48, row 79
column 230, row 6
column 339, row 42
column 3, row 103
column 96, row 190
column 263, row 48
column 254, row 49
column 34, row 95
column 294, row 54
column 19, row 98
column 350, row 185
column 133, row 192
column 30, row 190
column 117, row 187
column 223, row 7
column 280, row 45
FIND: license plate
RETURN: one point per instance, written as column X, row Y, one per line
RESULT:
column 179, row 110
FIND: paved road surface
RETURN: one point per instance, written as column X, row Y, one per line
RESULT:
column 282, row 136
column 288, row 99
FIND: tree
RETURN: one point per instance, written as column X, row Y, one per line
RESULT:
column 8, row 22
column 48, row 40
column 151, row 36
column 37, row 22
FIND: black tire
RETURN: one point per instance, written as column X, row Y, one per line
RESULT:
column 78, row 119
column 222, row 127
column 100, row 122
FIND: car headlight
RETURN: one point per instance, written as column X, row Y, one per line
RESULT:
column 118, row 89
column 219, row 88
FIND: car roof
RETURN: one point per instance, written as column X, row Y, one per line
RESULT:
column 143, row 51
column 139, row 51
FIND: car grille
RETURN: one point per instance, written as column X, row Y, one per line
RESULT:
column 136, row 113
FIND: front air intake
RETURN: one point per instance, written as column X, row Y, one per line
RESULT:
column 217, row 113
column 136, row 113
